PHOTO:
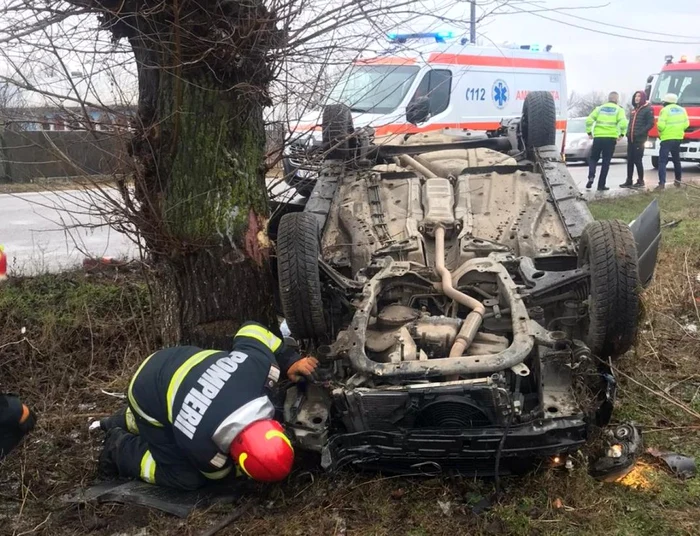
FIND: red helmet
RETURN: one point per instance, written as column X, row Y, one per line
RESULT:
column 263, row 452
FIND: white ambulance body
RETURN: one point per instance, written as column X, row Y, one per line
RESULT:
column 470, row 88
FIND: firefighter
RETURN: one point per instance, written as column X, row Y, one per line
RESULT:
column 16, row 421
column 193, row 415
column 641, row 122
column 605, row 125
column 672, row 123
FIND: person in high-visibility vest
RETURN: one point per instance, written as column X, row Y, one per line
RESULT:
column 672, row 124
column 194, row 415
column 605, row 125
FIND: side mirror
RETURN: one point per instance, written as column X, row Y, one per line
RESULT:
column 650, row 79
column 418, row 110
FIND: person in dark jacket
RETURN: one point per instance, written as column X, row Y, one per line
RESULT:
column 194, row 415
column 16, row 421
column 641, row 122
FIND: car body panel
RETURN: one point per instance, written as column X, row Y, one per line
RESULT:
column 647, row 233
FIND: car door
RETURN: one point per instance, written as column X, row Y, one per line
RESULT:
column 436, row 85
column 646, row 229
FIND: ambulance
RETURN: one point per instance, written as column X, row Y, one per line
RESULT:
column 470, row 89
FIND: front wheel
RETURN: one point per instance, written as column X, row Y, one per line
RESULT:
column 298, row 274
column 607, row 248
column 538, row 121
column 337, row 131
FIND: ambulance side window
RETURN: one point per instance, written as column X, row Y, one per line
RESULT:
column 436, row 85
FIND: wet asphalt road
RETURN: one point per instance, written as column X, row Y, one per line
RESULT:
column 53, row 231
column 618, row 174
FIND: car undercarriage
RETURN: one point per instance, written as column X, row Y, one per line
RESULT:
column 462, row 301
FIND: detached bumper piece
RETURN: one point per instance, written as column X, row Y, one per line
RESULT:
column 469, row 452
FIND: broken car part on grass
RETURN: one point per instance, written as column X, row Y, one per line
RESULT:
column 680, row 465
column 462, row 299
column 623, row 445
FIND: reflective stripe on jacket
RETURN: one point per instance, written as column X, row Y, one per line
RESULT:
column 673, row 121
column 607, row 121
column 190, row 392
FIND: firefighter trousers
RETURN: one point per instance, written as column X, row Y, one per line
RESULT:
column 142, row 450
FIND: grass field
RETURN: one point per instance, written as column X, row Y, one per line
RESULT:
column 86, row 334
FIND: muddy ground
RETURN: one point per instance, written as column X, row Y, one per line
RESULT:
column 68, row 341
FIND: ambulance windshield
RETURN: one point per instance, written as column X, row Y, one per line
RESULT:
column 685, row 84
column 377, row 89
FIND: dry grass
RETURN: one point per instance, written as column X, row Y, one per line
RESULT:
column 57, row 184
column 86, row 334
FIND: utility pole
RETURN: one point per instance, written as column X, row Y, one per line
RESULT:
column 472, row 29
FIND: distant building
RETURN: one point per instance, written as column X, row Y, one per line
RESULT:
column 109, row 99
column 67, row 118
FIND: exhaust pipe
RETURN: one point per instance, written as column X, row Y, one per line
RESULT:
column 474, row 319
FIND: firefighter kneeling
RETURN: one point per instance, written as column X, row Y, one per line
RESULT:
column 194, row 414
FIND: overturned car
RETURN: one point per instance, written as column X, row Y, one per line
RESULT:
column 462, row 300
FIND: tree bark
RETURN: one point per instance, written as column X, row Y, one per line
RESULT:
column 200, row 198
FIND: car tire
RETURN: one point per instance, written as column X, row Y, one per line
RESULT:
column 607, row 248
column 655, row 162
column 298, row 275
column 337, row 130
column 538, row 123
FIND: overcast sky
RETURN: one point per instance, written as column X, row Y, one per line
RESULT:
column 599, row 56
column 606, row 62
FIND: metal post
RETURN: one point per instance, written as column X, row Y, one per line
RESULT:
column 472, row 32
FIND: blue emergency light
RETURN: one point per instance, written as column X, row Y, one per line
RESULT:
column 535, row 48
column 438, row 36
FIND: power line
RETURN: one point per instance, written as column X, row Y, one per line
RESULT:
column 602, row 32
column 561, row 11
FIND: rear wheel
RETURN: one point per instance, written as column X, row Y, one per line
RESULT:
column 298, row 275
column 337, row 131
column 655, row 162
column 608, row 249
column 539, row 119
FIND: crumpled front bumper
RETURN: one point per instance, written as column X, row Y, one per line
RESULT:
column 467, row 451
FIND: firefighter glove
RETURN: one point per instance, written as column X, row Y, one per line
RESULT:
column 304, row 367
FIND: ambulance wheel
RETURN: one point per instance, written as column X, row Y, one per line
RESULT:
column 538, row 124
column 337, row 131
column 608, row 250
column 298, row 275
column 655, row 162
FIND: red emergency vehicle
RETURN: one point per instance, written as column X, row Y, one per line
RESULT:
column 682, row 78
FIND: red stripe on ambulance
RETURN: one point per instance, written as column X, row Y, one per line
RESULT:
column 495, row 61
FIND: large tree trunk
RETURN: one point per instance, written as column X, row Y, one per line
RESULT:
column 199, row 147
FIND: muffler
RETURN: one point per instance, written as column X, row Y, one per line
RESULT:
column 472, row 323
